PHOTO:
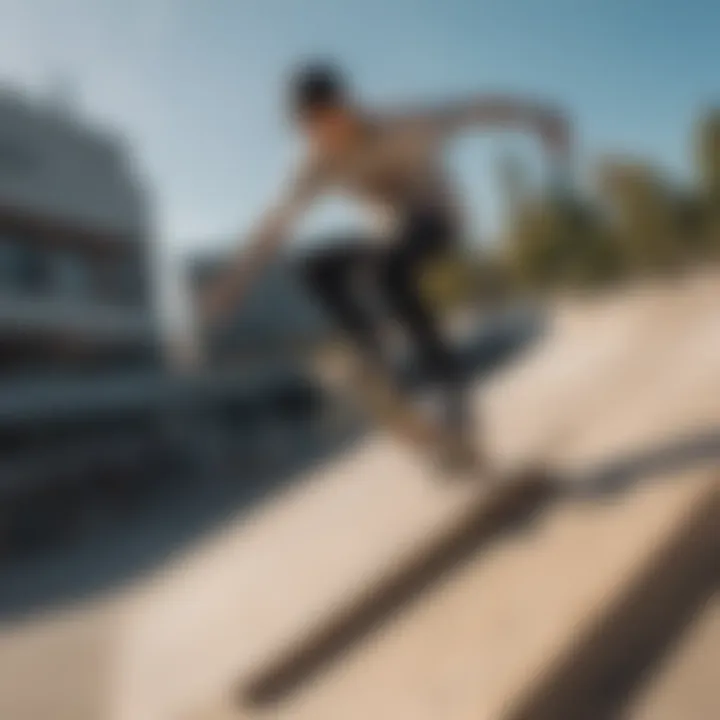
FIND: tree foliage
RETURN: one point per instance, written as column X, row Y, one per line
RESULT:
column 636, row 222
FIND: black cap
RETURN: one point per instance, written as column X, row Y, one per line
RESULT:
column 316, row 85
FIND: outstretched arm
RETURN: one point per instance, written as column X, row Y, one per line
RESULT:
column 502, row 112
column 249, row 260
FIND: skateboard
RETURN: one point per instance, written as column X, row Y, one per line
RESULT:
column 373, row 389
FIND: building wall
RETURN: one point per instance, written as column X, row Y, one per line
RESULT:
column 75, row 274
column 89, row 415
column 55, row 165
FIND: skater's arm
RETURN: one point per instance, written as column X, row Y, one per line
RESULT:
column 262, row 244
column 499, row 112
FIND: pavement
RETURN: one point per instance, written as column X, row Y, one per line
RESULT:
column 368, row 587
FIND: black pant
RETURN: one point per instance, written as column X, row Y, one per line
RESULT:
column 347, row 277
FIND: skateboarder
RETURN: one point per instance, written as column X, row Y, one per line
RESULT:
column 392, row 161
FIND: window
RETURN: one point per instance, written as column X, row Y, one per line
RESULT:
column 130, row 279
column 33, row 271
column 9, row 262
column 23, row 267
column 72, row 275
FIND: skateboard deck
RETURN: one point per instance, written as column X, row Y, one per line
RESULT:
column 375, row 391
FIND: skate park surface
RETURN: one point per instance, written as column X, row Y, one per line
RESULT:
column 368, row 586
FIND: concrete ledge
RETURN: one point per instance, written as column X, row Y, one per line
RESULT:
column 506, row 633
column 595, row 674
column 323, row 542
column 488, row 514
column 367, row 589
column 682, row 681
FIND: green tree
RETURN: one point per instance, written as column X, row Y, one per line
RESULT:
column 559, row 241
column 707, row 151
column 707, row 157
column 643, row 214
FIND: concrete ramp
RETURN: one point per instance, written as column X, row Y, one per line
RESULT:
column 613, row 381
column 495, row 634
column 370, row 588
column 684, row 684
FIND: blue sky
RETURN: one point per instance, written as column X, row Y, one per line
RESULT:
column 196, row 84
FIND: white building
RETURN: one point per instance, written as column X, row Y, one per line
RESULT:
column 77, row 319
column 85, row 401
column 75, row 277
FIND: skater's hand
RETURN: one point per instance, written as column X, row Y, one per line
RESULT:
column 244, row 266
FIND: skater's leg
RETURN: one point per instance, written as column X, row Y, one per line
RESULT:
column 422, row 239
column 332, row 275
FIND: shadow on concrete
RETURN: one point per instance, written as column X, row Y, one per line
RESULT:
column 619, row 654
column 692, row 450
column 611, row 659
column 112, row 554
column 514, row 508
column 512, row 505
